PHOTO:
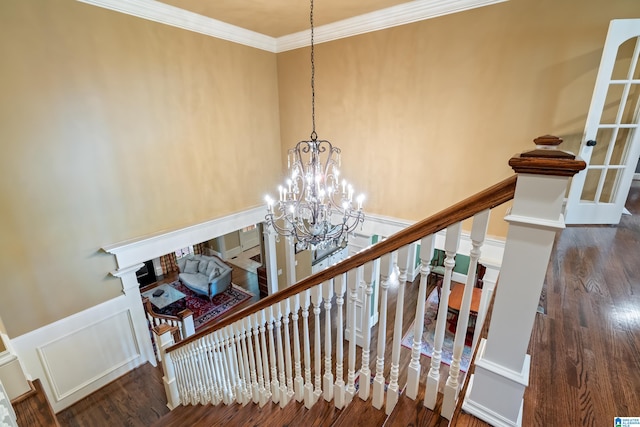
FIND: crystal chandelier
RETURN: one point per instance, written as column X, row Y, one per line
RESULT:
column 314, row 206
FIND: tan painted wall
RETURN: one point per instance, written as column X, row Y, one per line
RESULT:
column 429, row 113
column 113, row 127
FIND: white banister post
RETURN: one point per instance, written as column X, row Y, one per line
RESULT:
column 298, row 382
column 451, row 243
column 327, row 378
column 394, row 389
column 495, row 392
column 365, row 370
column 187, row 327
column 354, row 279
column 339, row 387
column 452, row 386
column 413, row 374
column 386, row 271
column 164, row 338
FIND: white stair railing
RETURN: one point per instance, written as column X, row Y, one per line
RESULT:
column 227, row 366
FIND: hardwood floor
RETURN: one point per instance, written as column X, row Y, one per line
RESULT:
column 585, row 352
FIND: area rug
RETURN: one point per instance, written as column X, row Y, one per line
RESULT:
column 542, row 303
column 356, row 383
column 203, row 310
column 431, row 309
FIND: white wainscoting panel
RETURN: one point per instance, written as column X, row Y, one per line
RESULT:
column 114, row 333
column 79, row 354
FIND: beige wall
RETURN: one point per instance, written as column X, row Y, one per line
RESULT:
column 429, row 113
column 113, row 127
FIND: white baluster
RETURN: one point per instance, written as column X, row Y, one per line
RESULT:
column 286, row 309
column 265, row 356
column 232, row 364
column 283, row 400
column 218, row 374
column 298, row 382
column 353, row 281
column 255, row 320
column 206, row 395
column 452, row 386
column 254, row 388
column 316, row 299
column 433, row 378
column 327, row 385
column 386, row 272
column 413, row 374
column 229, row 395
column 393, row 389
column 308, row 385
column 339, row 387
column 225, row 387
column 243, row 361
column 365, row 370
column 275, row 385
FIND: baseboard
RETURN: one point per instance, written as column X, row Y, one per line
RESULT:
column 32, row 391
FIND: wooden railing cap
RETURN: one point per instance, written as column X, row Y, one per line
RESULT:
column 547, row 159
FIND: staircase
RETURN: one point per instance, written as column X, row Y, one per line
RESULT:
column 292, row 358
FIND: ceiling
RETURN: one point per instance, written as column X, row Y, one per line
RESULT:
column 281, row 25
column 277, row 18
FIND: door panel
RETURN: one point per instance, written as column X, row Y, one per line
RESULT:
column 598, row 193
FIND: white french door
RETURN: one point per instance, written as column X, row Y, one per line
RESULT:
column 611, row 142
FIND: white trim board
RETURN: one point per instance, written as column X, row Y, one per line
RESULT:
column 405, row 13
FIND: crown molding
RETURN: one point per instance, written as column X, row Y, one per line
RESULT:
column 180, row 18
column 405, row 13
column 394, row 16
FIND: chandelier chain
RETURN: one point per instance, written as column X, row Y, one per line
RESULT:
column 314, row 135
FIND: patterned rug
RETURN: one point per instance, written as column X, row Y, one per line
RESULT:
column 431, row 309
column 203, row 310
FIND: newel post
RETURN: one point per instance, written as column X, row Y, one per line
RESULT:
column 496, row 390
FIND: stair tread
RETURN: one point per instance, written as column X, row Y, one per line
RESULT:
column 362, row 412
column 409, row 412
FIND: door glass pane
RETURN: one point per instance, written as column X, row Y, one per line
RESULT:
column 610, row 186
column 621, row 148
column 623, row 60
column 590, row 185
column 631, row 105
column 612, row 104
column 599, row 152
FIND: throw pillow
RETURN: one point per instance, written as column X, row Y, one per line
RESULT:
column 202, row 268
column 216, row 272
column 210, row 268
column 192, row 266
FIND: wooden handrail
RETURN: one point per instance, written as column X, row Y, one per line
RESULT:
column 486, row 199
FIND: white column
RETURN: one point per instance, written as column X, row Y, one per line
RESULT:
column 501, row 375
column 271, row 261
column 131, row 290
column 290, row 261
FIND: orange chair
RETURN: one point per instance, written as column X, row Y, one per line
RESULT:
column 455, row 301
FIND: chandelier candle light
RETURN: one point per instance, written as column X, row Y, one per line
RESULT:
column 313, row 194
